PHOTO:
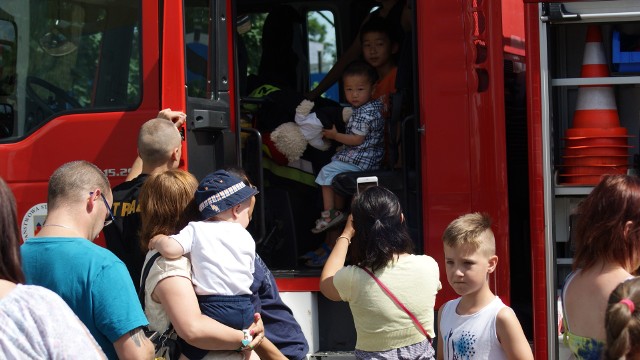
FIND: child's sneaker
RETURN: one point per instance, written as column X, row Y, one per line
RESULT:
column 328, row 218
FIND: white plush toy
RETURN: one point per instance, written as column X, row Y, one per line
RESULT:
column 291, row 138
column 311, row 126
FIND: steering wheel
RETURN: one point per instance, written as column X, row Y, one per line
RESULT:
column 61, row 101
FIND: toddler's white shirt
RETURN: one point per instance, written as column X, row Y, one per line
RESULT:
column 222, row 257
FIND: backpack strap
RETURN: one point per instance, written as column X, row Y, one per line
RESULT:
column 145, row 273
column 400, row 304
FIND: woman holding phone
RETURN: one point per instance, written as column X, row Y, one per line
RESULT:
column 381, row 250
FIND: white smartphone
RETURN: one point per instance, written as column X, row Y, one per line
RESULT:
column 365, row 182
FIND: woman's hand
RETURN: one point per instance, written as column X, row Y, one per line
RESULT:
column 349, row 231
column 256, row 329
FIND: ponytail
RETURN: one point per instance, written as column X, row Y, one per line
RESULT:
column 622, row 320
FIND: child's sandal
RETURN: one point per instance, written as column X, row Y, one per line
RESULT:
column 328, row 218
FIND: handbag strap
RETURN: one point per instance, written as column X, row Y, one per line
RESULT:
column 398, row 302
column 143, row 281
column 145, row 273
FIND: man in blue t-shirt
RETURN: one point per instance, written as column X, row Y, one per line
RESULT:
column 93, row 281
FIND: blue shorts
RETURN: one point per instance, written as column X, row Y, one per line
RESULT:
column 235, row 311
column 335, row 167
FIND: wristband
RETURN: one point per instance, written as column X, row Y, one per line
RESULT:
column 247, row 338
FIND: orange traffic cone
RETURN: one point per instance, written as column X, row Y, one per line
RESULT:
column 596, row 144
column 596, row 104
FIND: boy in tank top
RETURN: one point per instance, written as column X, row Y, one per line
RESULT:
column 477, row 325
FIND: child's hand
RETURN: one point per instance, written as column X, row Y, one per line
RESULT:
column 153, row 243
column 330, row 133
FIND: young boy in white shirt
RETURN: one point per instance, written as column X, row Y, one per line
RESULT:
column 222, row 252
column 476, row 325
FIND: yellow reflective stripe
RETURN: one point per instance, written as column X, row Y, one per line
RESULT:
column 289, row 172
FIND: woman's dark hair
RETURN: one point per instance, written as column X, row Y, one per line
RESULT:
column 622, row 320
column 601, row 230
column 380, row 229
column 10, row 266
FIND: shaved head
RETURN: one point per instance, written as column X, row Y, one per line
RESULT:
column 157, row 140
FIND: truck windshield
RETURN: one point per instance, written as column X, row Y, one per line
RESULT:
column 60, row 56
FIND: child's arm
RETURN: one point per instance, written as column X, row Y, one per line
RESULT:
column 347, row 139
column 268, row 351
column 167, row 246
column 511, row 336
column 440, row 349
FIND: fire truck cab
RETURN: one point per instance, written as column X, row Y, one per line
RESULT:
column 79, row 77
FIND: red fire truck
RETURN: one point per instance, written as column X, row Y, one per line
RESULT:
column 79, row 77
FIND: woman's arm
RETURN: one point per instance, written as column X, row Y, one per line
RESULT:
column 335, row 262
column 179, row 301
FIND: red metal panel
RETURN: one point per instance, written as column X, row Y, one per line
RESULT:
column 443, row 114
column 464, row 146
column 172, row 90
column 536, row 195
column 303, row 284
column 106, row 139
column 231, row 34
column 513, row 27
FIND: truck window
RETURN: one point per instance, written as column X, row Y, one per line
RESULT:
column 316, row 60
column 322, row 49
column 71, row 57
column 197, row 48
column 7, row 73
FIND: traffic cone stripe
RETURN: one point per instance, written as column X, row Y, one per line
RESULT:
column 594, row 70
column 594, row 54
column 595, row 119
column 593, row 34
column 595, row 97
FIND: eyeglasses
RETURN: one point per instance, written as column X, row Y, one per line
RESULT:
column 110, row 218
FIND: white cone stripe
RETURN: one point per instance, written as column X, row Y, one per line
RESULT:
column 596, row 98
column 593, row 54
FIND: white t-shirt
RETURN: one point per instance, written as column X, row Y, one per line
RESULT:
column 222, row 257
column 473, row 336
column 36, row 323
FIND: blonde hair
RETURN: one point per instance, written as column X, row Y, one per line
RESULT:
column 471, row 229
column 167, row 204
column 157, row 139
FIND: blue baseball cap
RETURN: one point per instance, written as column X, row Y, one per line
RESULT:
column 220, row 191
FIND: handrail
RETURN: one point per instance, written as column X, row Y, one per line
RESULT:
column 260, row 184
